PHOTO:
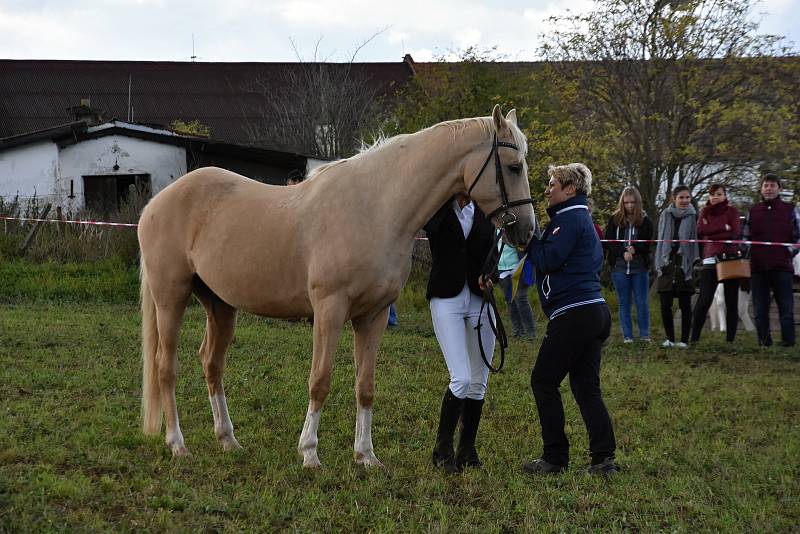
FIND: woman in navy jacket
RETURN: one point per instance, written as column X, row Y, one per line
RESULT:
column 568, row 258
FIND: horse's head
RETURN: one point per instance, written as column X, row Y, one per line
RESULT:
column 497, row 179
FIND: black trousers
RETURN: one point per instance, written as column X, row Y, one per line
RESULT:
column 685, row 305
column 572, row 346
column 708, row 286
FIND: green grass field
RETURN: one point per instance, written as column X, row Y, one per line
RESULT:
column 708, row 438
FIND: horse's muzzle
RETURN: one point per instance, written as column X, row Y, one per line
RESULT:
column 519, row 233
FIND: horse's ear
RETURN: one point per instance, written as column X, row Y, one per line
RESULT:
column 497, row 116
column 512, row 117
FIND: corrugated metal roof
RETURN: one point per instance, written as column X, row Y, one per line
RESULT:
column 35, row 94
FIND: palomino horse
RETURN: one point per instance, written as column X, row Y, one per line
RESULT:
column 337, row 246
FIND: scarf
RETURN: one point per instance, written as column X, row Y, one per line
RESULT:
column 715, row 210
column 687, row 230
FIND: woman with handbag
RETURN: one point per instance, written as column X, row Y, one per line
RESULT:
column 630, row 262
column 718, row 221
column 674, row 263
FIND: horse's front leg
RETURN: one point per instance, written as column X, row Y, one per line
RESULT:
column 367, row 334
column 329, row 317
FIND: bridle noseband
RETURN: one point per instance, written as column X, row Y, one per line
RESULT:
column 507, row 218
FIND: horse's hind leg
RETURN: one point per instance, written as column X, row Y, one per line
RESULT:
column 220, row 325
column 329, row 316
column 367, row 334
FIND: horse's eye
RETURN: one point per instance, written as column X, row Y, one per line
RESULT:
column 516, row 168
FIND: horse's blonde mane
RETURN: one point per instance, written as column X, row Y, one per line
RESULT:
column 316, row 171
column 457, row 126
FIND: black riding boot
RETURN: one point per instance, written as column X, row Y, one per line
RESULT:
column 467, row 456
column 443, row 455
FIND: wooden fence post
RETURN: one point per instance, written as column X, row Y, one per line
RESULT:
column 59, row 216
column 32, row 234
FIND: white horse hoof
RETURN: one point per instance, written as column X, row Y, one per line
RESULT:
column 368, row 459
column 311, row 462
column 179, row 451
column 230, row 444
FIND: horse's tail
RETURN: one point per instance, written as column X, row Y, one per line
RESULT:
column 151, row 391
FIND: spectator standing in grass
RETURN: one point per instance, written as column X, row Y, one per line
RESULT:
column 519, row 308
column 674, row 263
column 392, row 321
column 630, row 262
column 718, row 220
column 772, row 220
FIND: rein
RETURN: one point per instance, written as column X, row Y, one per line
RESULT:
column 499, row 331
column 490, row 265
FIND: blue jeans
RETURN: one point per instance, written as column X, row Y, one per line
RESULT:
column 520, row 309
column 638, row 285
column 392, row 314
column 779, row 283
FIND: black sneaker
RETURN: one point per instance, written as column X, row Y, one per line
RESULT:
column 540, row 466
column 605, row 468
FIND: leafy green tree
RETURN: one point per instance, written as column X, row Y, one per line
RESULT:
column 468, row 87
column 195, row 128
column 478, row 80
column 678, row 91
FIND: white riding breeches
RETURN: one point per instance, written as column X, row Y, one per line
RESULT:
column 454, row 321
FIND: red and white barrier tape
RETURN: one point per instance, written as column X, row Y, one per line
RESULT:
column 96, row 223
column 725, row 241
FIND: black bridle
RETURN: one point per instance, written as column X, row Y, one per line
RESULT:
column 508, row 219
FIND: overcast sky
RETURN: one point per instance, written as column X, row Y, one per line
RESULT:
column 245, row 30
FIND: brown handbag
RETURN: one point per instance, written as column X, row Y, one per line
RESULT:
column 732, row 268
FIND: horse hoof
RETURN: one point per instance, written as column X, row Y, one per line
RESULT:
column 230, row 444
column 368, row 460
column 179, row 451
column 311, row 462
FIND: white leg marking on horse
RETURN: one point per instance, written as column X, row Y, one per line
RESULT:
column 223, row 427
column 362, row 448
column 308, row 439
column 175, row 442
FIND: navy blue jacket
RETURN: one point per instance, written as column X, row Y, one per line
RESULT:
column 567, row 258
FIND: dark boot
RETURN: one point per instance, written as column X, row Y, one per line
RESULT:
column 443, row 455
column 467, row 456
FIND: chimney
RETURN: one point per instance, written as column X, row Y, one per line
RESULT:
column 408, row 60
column 86, row 113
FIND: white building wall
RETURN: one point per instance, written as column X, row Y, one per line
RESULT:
column 164, row 163
column 43, row 170
column 29, row 170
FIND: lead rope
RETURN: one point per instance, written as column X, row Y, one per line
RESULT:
column 497, row 327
